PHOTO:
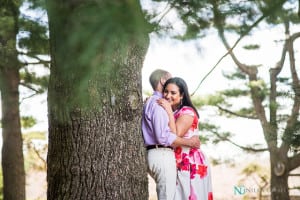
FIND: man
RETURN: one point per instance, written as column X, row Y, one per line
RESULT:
column 160, row 140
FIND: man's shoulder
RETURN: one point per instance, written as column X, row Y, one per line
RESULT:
column 153, row 106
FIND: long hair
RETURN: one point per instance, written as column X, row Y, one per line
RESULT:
column 183, row 90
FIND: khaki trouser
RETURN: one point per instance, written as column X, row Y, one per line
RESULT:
column 162, row 168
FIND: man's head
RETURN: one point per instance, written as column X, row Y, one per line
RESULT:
column 158, row 78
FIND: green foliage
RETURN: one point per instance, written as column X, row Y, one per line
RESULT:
column 213, row 133
column 99, row 36
column 258, row 174
column 237, row 75
column 211, row 100
column 33, row 37
column 33, row 45
column 254, row 168
column 292, row 136
column 235, row 92
column 252, row 46
column 28, row 121
column 37, row 4
column 6, row 22
column 260, row 88
column 34, row 81
column 1, row 185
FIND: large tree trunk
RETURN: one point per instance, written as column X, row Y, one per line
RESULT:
column 279, row 176
column 95, row 99
column 12, row 150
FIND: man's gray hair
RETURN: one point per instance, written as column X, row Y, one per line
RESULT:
column 156, row 75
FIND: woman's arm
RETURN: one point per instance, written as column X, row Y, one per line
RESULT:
column 183, row 124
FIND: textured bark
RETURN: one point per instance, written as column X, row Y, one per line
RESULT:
column 12, row 150
column 279, row 182
column 95, row 147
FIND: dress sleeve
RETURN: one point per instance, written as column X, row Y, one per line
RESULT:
column 186, row 111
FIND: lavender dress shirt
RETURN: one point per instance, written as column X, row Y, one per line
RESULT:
column 155, row 121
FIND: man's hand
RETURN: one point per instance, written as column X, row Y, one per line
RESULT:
column 195, row 141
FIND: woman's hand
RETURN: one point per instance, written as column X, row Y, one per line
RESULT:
column 166, row 105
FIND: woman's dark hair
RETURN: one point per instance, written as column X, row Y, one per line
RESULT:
column 183, row 89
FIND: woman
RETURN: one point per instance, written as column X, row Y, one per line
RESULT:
column 193, row 177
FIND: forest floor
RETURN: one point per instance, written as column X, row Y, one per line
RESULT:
column 225, row 179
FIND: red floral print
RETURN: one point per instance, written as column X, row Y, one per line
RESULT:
column 192, row 164
column 210, row 196
column 202, row 170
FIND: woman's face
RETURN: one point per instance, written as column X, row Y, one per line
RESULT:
column 172, row 95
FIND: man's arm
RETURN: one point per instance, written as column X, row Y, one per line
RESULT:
column 193, row 142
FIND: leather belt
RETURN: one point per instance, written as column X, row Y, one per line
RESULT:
column 156, row 146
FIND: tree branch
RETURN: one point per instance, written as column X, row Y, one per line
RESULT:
column 39, row 155
column 229, row 49
column 273, row 86
column 235, row 114
column 40, row 61
column 245, row 148
column 165, row 13
column 273, row 80
column 294, row 162
column 29, row 87
column 293, row 118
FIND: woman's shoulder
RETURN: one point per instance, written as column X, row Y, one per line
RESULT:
column 186, row 110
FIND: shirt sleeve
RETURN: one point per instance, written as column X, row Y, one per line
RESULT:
column 162, row 130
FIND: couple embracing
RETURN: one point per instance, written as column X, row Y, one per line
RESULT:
column 170, row 131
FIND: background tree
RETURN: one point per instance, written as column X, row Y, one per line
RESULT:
column 241, row 19
column 12, row 44
column 259, row 175
column 95, row 99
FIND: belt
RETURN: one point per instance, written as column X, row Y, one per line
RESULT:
column 156, row 146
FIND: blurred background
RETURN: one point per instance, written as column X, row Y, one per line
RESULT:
column 210, row 44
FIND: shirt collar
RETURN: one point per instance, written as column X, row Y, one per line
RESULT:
column 157, row 93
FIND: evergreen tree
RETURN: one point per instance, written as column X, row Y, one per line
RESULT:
column 95, row 99
column 19, row 36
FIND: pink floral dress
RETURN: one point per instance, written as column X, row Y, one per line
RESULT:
column 193, row 171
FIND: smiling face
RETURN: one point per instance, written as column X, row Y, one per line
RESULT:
column 172, row 95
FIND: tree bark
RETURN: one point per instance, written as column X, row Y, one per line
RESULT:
column 95, row 146
column 12, row 148
column 279, row 177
